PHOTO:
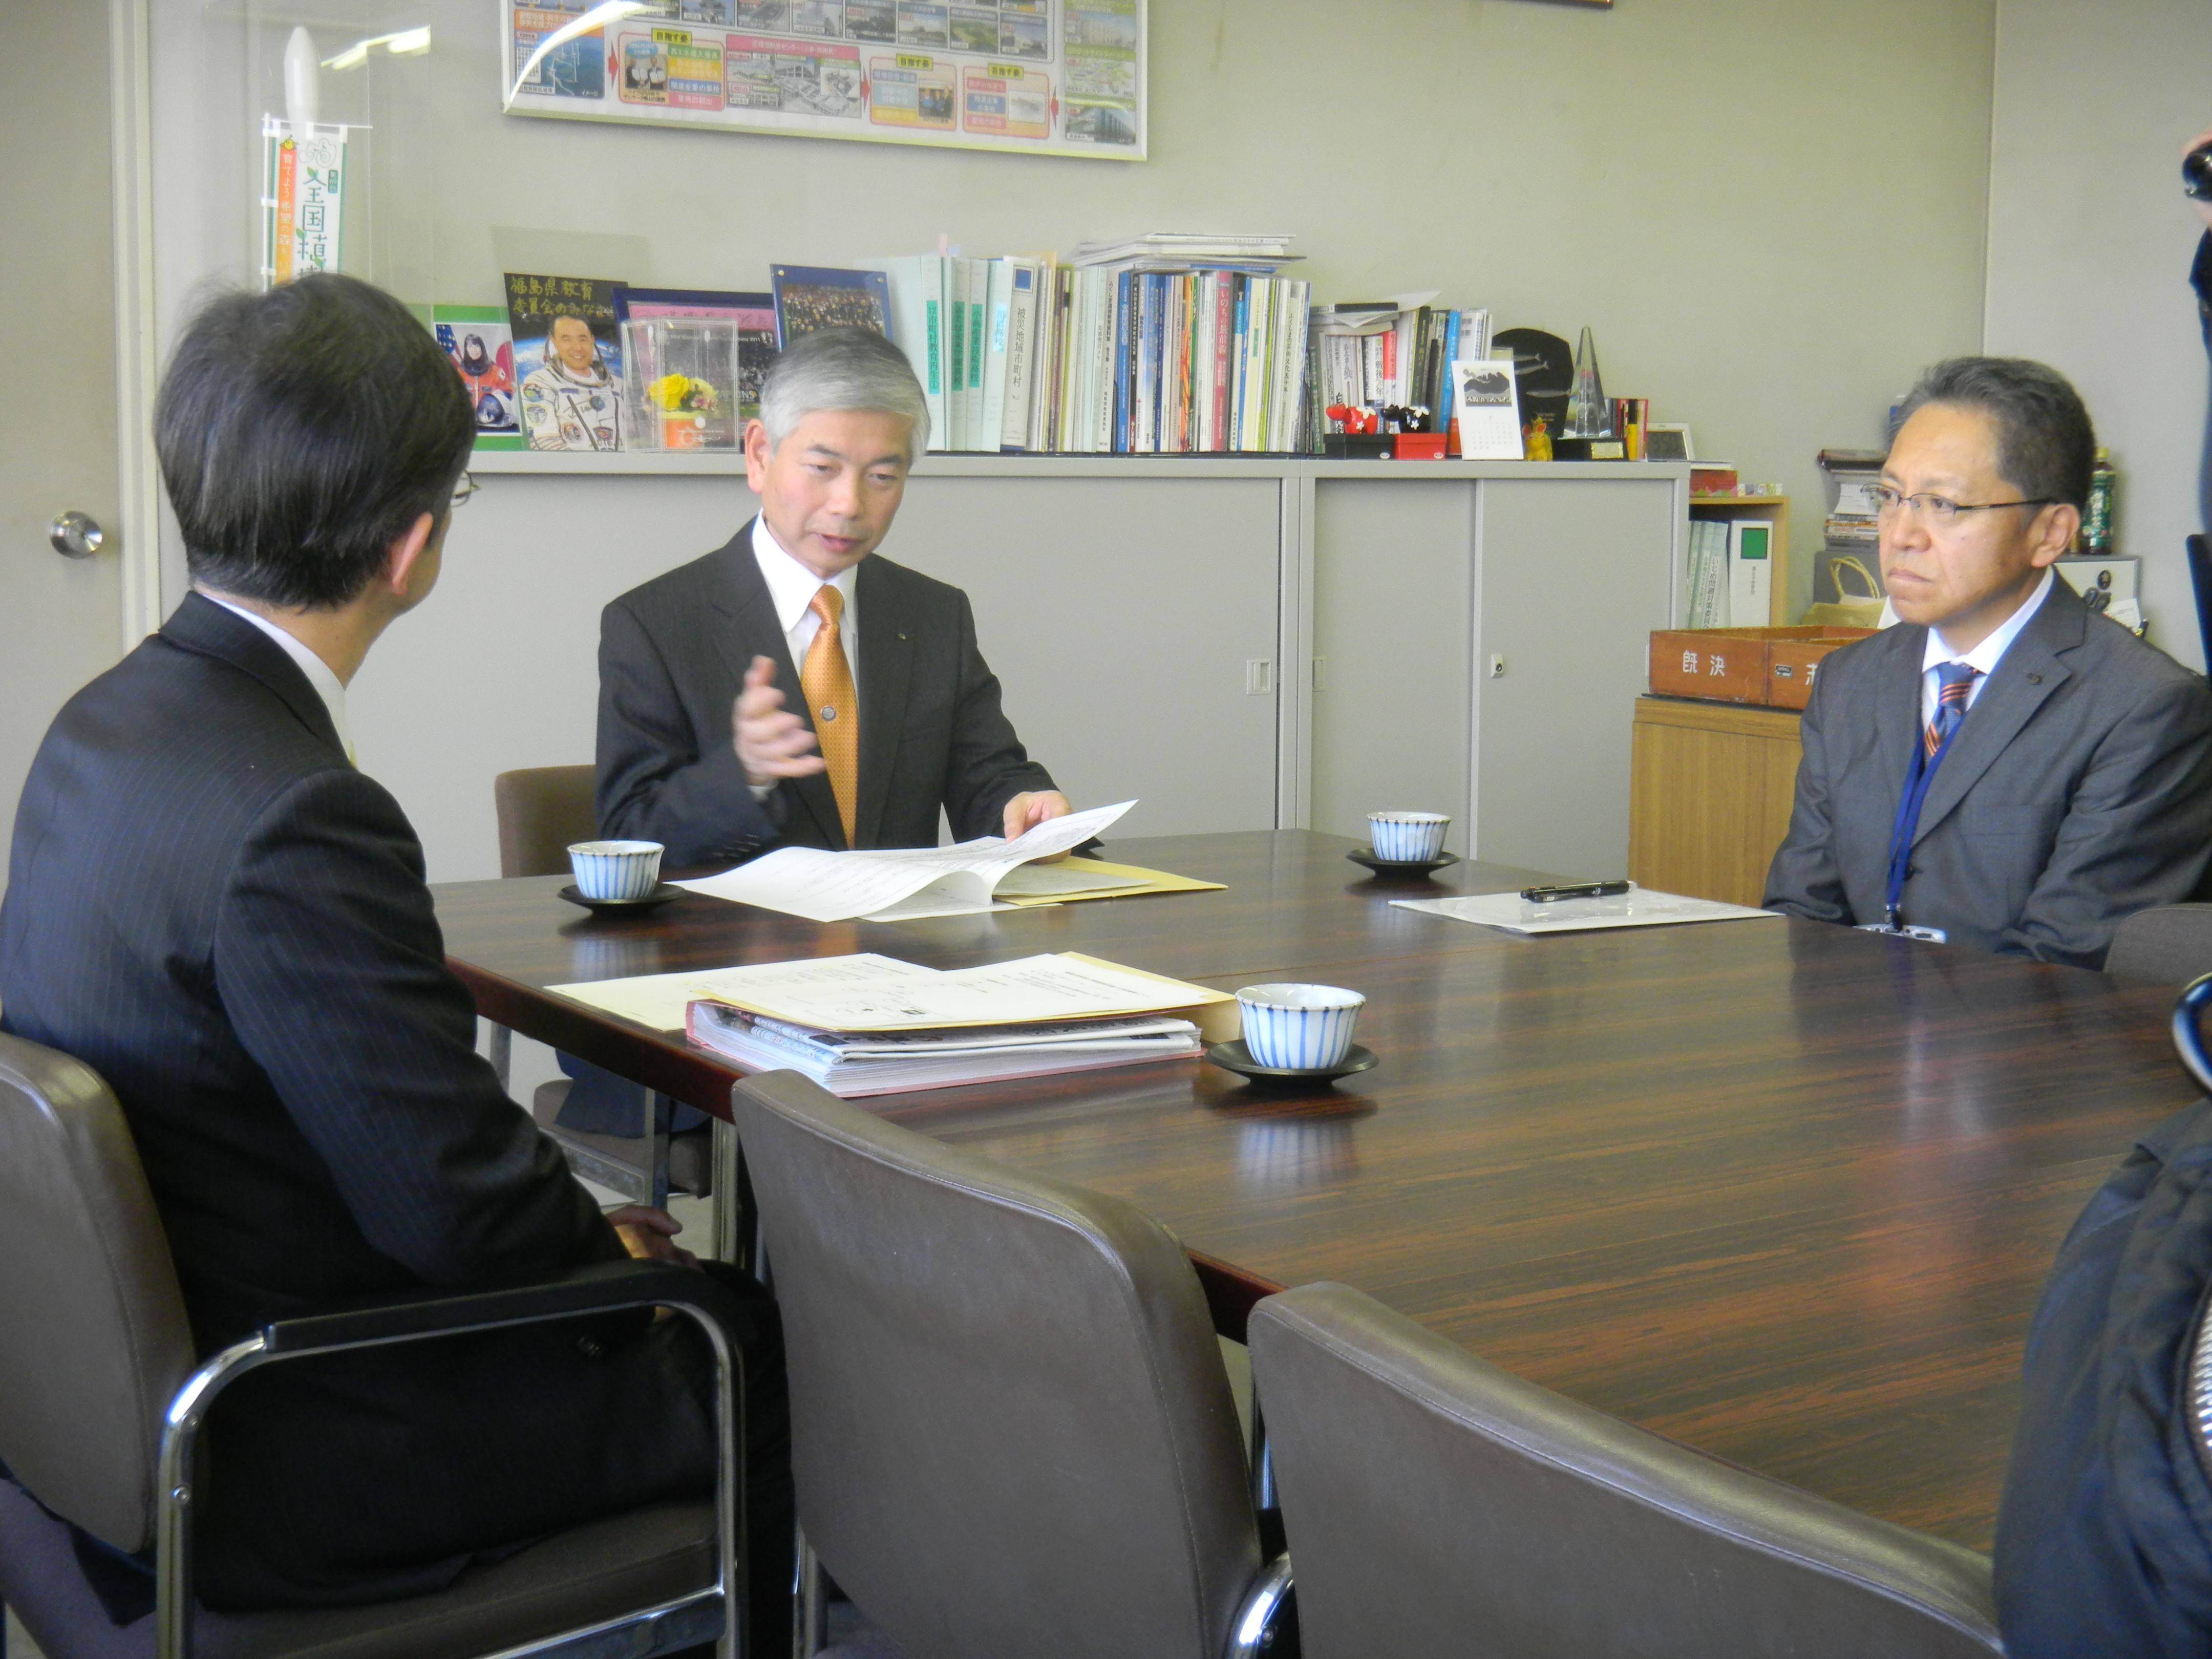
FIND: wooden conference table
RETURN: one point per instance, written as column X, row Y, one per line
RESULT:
column 1783, row 1191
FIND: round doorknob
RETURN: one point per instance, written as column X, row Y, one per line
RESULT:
column 76, row 535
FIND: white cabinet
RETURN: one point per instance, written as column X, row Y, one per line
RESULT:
column 1154, row 623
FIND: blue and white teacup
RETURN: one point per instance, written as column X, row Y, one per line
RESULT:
column 615, row 869
column 1408, row 837
column 1298, row 1027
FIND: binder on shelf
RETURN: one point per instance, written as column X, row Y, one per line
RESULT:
column 1750, row 567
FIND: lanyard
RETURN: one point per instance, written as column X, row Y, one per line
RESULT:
column 1907, row 825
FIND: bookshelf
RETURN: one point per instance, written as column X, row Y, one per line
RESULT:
column 1773, row 509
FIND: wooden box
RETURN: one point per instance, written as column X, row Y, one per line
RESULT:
column 1791, row 663
column 1772, row 666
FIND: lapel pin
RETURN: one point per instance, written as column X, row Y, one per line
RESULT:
column 2035, row 679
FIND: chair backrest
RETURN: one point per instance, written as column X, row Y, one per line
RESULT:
column 543, row 811
column 1427, row 1494
column 2172, row 943
column 94, row 1340
column 1012, row 1431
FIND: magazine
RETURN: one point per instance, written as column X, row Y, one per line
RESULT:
column 567, row 361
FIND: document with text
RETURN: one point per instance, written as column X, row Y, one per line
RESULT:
column 1640, row 907
column 903, row 884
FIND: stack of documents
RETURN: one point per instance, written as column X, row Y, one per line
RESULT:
column 908, row 884
column 868, row 1025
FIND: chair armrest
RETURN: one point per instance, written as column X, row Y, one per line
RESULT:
column 601, row 1287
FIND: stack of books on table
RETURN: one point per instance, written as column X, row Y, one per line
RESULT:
column 872, row 1025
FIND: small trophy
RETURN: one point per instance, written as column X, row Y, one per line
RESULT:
column 1588, row 414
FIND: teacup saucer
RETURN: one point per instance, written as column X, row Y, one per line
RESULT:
column 1401, row 866
column 1236, row 1057
column 660, row 896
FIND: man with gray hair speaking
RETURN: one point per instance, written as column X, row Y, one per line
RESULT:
column 898, row 714
column 2003, row 769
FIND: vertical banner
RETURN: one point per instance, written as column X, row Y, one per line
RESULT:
column 303, row 200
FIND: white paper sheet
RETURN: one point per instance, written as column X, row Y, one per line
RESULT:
column 1640, row 907
column 805, row 881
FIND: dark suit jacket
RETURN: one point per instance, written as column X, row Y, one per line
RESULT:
column 2078, row 791
column 212, row 909
column 672, row 659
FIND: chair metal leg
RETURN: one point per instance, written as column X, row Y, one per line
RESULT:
column 810, row 1602
column 1255, row 1616
column 656, row 1140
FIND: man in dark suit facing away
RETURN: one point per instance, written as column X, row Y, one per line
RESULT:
column 209, row 905
column 2002, row 768
column 900, row 716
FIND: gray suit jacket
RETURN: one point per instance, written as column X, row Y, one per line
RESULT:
column 2078, row 791
column 672, row 659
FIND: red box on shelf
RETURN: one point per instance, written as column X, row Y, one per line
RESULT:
column 1421, row 446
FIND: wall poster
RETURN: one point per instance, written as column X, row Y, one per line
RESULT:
column 1037, row 77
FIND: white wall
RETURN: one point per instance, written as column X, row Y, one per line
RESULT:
column 1770, row 212
column 2090, row 241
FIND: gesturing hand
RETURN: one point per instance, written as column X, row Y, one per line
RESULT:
column 772, row 742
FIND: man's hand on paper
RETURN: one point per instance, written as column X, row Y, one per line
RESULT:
column 772, row 742
column 1032, row 807
column 649, row 1234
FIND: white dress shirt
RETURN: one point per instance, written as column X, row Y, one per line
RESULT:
column 791, row 589
column 1984, row 656
column 320, row 675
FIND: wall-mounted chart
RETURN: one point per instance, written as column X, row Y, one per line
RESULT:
column 1038, row 77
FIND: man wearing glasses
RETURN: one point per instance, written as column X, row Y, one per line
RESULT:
column 2003, row 769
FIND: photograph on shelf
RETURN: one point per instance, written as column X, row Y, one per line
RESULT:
column 1668, row 440
column 810, row 298
column 567, row 361
column 481, row 347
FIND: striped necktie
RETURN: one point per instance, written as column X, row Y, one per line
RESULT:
column 827, row 679
column 1954, row 681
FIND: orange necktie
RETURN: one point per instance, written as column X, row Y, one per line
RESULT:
column 826, row 680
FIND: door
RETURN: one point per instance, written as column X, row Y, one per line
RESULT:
column 60, row 618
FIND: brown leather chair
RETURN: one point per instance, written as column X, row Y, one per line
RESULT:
column 1012, row 1432
column 2172, row 943
column 1435, row 1505
column 102, row 1399
column 543, row 811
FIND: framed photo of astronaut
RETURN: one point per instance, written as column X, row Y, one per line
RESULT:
column 481, row 347
column 567, row 361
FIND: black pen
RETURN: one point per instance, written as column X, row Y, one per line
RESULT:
column 1574, row 891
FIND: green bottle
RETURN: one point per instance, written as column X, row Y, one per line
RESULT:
column 2097, row 523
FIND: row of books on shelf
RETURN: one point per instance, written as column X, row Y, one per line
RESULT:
column 1730, row 572
column 1162, row 344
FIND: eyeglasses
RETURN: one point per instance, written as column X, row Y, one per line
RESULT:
column 463, row 489
column 1940, row 511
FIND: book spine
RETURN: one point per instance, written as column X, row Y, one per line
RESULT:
column 955, row 358
column 1021, row 355
column 1259, row 320
column 1225, row 341
column 1063, row 287
column 979, row 436
column 998, row 352
column 1104, row 365
column 1236, row 360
